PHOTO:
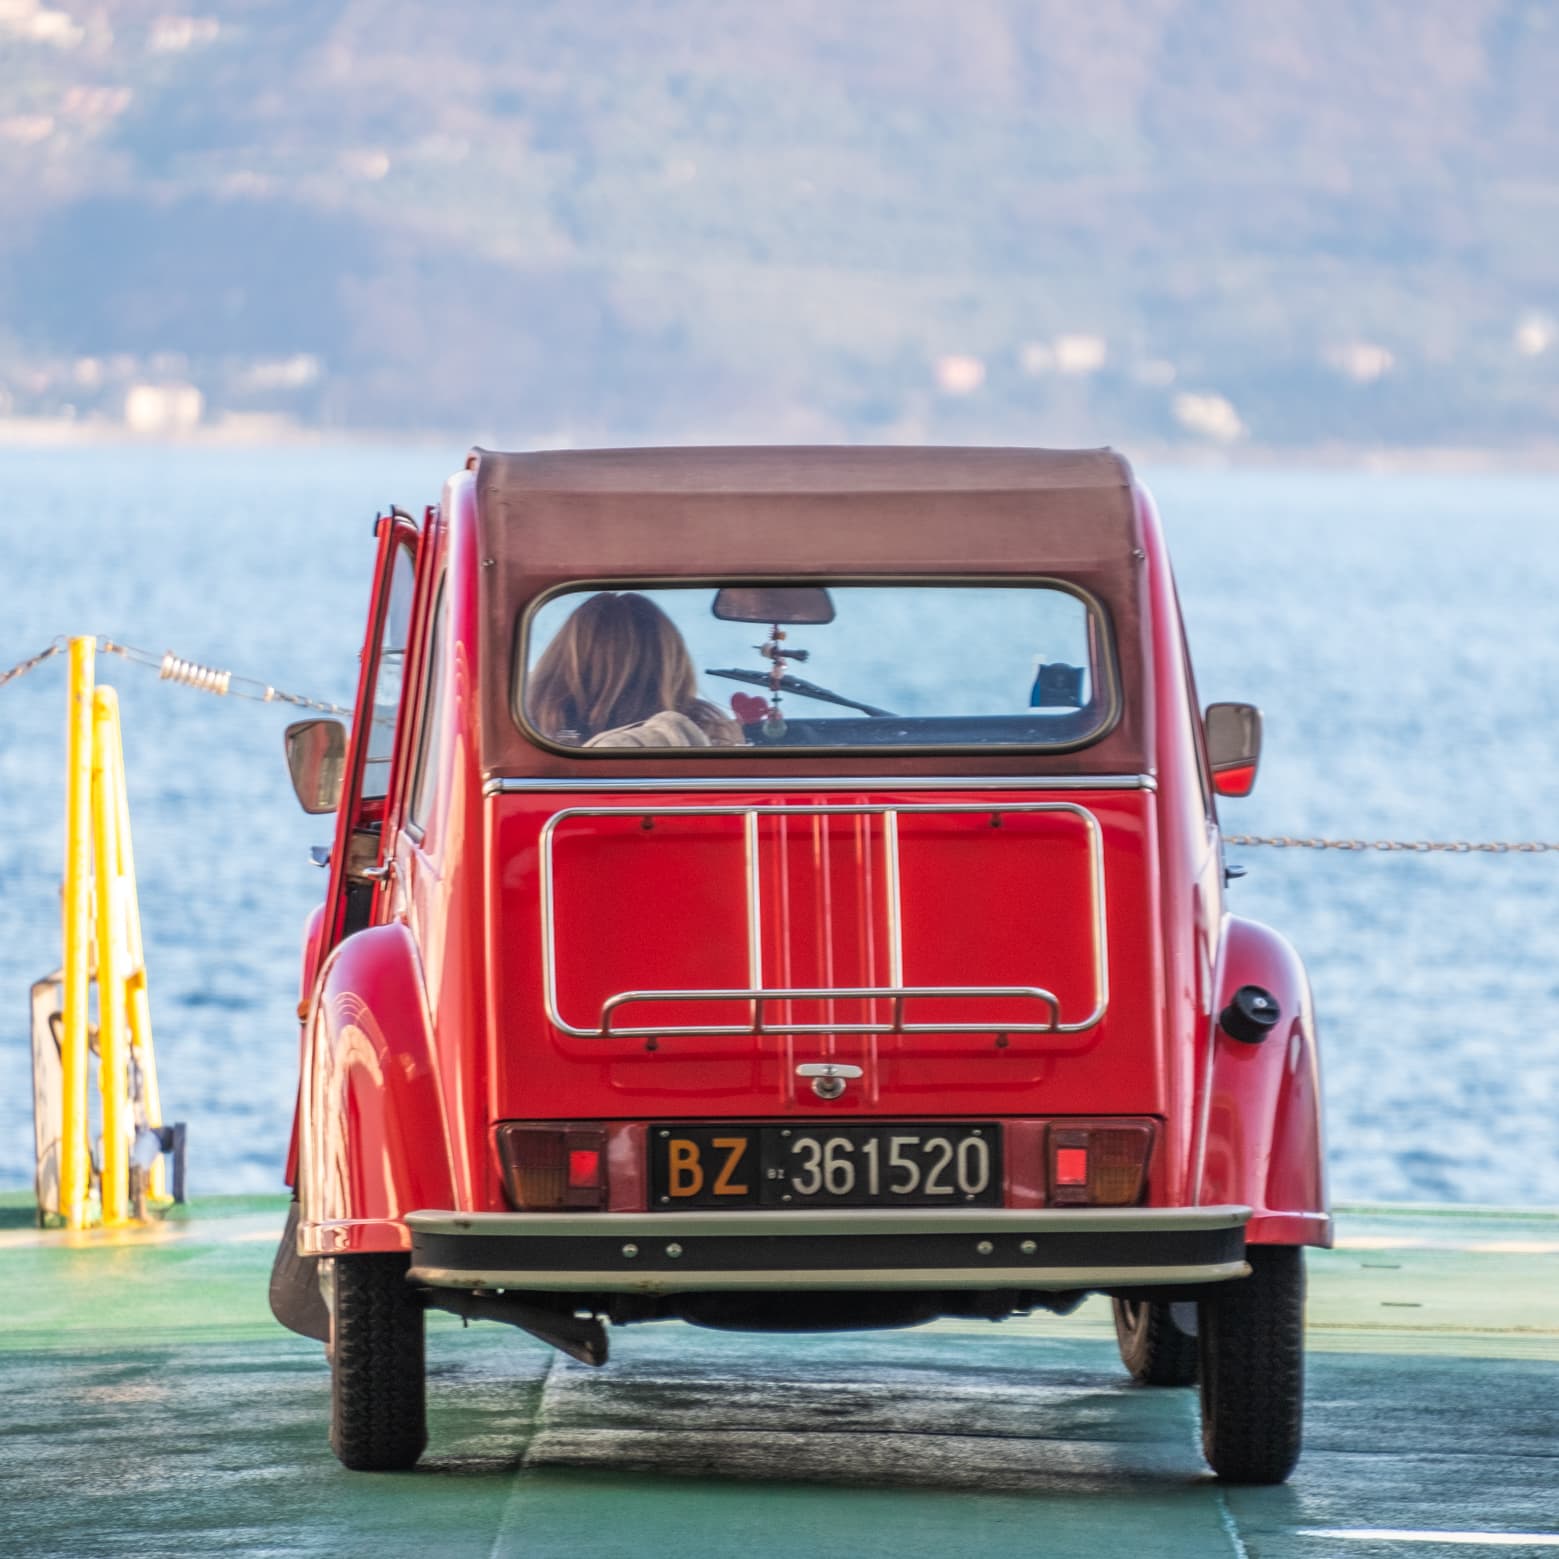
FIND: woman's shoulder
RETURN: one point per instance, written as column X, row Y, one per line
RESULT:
column 667, row 728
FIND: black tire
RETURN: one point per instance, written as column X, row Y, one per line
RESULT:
column 1152, row 1346
column 1253, row 1366
column 378, row 1397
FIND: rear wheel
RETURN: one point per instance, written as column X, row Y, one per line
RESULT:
column 1152, row 1346
column 378, row 1409
column 1252, row 1348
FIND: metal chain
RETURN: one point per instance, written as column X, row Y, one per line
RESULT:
column 22, row 667
column 1411, row 846
column 208, row 679
column 174, row 668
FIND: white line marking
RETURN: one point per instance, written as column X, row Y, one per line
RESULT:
column 1468, row 1539
column 1504, row 1247
column 1231, row 1530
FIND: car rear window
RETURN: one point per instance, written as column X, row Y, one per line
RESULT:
column 905, row 666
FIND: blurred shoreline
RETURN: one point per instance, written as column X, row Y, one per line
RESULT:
column 45, row 433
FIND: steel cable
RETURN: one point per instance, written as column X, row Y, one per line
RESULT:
column 209, row 679
column 189, row 673
column 22, row 667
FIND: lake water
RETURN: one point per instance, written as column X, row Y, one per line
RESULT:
column 1399, row 632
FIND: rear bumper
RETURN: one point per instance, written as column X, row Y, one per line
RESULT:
column 866, row 1248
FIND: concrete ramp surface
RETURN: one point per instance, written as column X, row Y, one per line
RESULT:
column 153, row 1407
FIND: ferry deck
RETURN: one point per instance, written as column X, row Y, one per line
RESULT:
column 155, row 1408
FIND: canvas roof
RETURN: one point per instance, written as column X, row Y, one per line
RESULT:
column 807, row 513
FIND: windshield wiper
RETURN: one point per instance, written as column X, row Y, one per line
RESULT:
column 798, row 685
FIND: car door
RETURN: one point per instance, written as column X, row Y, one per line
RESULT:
column 357, row 869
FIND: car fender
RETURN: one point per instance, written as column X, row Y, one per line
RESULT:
column 313, row 935
column 372, row 1139
column 313, row 940
column 1260, row 1139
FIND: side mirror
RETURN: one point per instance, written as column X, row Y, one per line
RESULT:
column 1233, row 746
column 316, row 760
column 793, row 604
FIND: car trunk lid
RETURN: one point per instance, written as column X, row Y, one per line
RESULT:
column 708, row 956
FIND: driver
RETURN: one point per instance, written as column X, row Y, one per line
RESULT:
column 618, row 674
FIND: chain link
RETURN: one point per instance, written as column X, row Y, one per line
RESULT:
column 174, row 668
column 1410, row 846
column 22, row 667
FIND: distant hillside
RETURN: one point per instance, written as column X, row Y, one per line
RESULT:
column 1293, row 222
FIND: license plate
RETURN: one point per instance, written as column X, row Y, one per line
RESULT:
column 912, row 1165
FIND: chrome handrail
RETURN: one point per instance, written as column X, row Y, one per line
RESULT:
column 897, row 994
column 758, row 995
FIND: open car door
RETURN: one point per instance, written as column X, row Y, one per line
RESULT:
column 356, row 866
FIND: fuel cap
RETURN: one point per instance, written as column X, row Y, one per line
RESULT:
column 1251, row 1015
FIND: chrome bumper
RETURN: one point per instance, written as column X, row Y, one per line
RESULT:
column 853, row 1248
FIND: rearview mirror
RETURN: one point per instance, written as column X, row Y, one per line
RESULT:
column 1233, row 746
column 316, row 760
column 793, row 604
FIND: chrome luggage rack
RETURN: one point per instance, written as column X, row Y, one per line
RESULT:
column 758, row 996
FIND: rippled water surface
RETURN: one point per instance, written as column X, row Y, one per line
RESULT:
column 1399, row 631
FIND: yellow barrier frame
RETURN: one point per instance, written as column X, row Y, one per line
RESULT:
column 102, row 937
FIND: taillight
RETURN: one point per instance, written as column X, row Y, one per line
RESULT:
column 553, row 1168
column 1097, row 1165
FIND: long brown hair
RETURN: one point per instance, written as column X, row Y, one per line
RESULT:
column 617, row 660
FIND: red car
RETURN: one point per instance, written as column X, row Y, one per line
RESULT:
column 782, row 889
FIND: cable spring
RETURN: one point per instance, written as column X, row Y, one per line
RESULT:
column 188, row 673
column 207, row 678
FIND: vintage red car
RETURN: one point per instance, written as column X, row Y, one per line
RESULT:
column 782, row 889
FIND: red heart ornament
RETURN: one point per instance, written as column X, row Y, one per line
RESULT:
column 749, row 707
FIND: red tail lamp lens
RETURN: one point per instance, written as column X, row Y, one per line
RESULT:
column 1239, row 780
column 553, row 1168
column 1098, row 1165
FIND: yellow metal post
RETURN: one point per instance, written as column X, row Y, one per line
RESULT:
column 112, row 1038
column 75, row 1163
column 137, row 1007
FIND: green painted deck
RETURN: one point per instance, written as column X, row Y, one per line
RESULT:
column 152, row 1407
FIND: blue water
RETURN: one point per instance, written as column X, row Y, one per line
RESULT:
column 1398, row 631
